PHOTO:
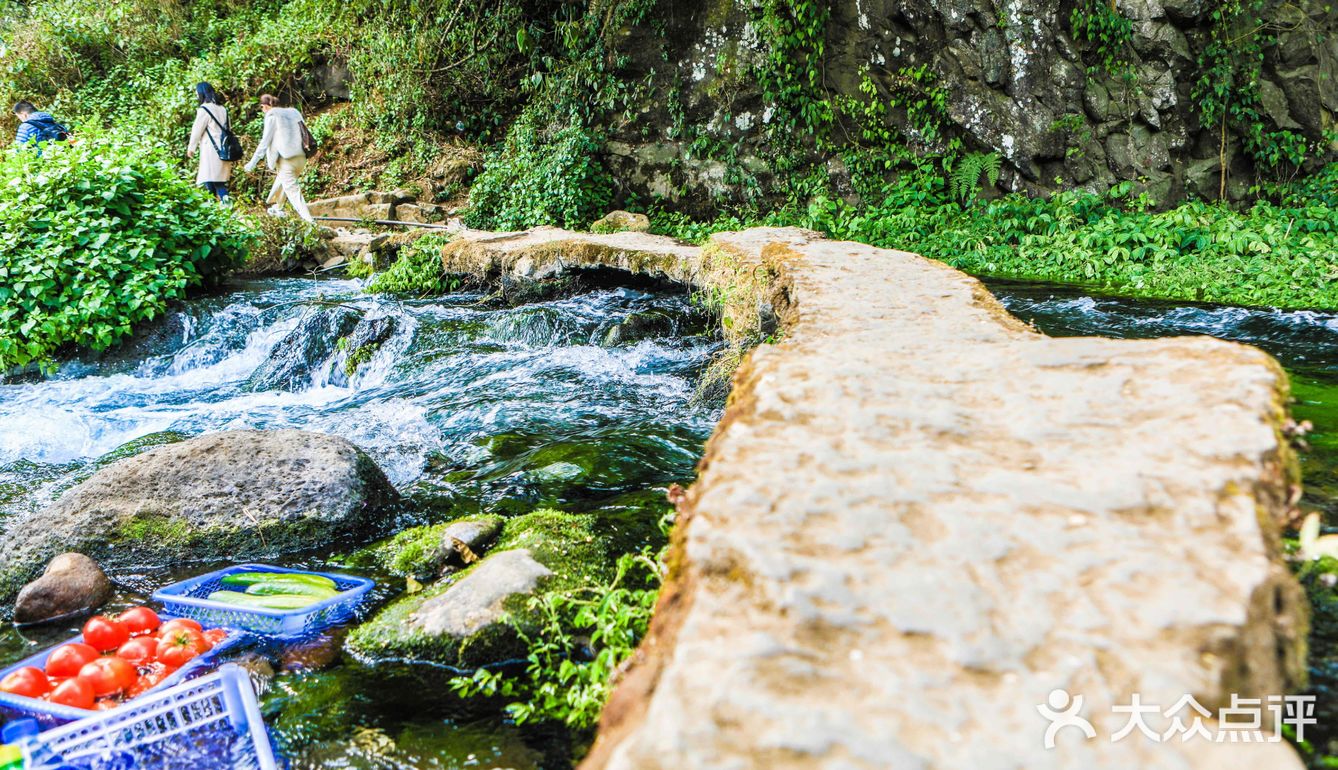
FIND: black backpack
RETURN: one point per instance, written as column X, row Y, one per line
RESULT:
column 228, row 146
column 48, row 130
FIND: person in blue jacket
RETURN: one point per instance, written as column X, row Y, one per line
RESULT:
column 35, row 127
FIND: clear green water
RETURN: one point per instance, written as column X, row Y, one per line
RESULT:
column 466, row 407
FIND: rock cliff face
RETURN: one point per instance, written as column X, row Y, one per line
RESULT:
column 1016, row 83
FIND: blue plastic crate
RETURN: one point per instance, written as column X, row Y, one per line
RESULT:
column 209, row 723
column 54, row 713
column 188, row 598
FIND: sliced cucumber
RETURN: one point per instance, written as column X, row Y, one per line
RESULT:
column 288, row 602
column 246, row 579
column 290, row 588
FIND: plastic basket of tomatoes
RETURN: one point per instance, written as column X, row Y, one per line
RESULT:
column 212, row 722
column 113, row 661
column 276, row 602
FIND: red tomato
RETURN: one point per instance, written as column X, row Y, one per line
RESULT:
column 109, row 675
column 66, row 660
column 142, row 650
column 139, row 620
column 105, row 634
column 214, row 636
column 177, row 648
column 74, row 692
column 178, row 624
column 29, row 681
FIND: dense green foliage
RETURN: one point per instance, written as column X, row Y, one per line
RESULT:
column 544, row 173
column 417, row 273
column 1281, row 253
column 549, row 169
column 97, row 236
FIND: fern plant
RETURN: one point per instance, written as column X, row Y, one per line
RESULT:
column 964, row 181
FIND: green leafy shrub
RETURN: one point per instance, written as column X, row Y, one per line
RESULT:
column 418, row 272
column 97, row 236
column 547, row 173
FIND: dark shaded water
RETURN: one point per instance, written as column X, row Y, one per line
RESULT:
column 1306, row 343
column 466, row 408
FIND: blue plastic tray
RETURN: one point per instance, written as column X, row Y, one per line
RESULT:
column 54, row 713
column 209, row 723
column 187, row 599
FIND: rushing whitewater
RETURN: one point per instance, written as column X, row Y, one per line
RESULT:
column 451, row 374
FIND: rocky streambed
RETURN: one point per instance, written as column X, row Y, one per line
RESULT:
column 303, row 422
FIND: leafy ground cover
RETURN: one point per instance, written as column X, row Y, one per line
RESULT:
column 1281, row 252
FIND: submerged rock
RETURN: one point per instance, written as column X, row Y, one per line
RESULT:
column 475, row 617
column 71, row 584
column 639, row 326
column 293, row 362
column 236, row 495
column 361, row 344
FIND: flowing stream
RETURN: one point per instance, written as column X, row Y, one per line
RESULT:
column 1306, row 343
column 466, row 407
column 470, row 408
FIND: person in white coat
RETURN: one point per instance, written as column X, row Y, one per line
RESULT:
column 281, row 147
column 206, row 137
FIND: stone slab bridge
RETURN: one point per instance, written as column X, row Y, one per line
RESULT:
column 919, row 518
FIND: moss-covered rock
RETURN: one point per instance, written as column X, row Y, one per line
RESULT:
column 424, row 553
column 466, row 621
column 231, row 495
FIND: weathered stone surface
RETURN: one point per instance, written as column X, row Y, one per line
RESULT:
column 358, row 244
column 347, row 206
column 235, row 495
column 919, row 517
column 463, row 541
column 622, row 221
column 477, row 601
column 393, row 197
column 548, row 252
column 72, row 583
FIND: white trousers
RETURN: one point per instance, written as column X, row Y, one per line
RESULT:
column 286, row 185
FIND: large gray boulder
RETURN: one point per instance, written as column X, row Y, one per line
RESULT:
column 234, row 495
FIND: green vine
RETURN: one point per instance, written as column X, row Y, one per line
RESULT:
column 1111, row 35
column 791, row 75
column 1228, row 91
